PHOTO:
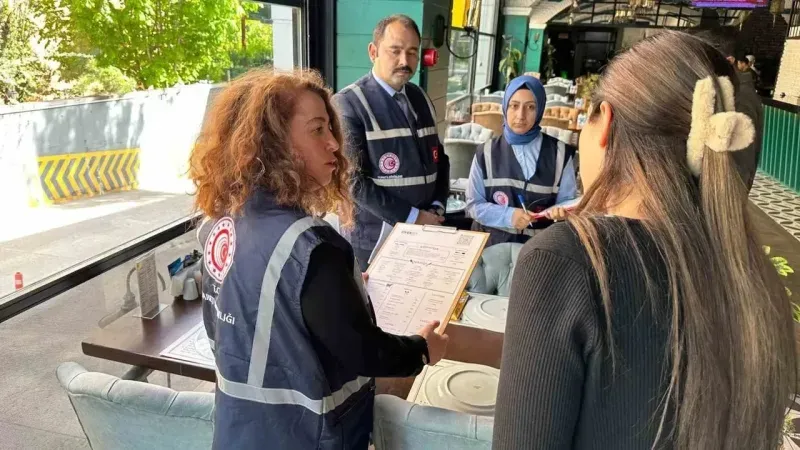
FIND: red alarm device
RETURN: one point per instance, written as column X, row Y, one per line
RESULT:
column 430, row 57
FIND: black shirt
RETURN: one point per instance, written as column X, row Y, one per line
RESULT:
column 342, row 327
column 558, row 389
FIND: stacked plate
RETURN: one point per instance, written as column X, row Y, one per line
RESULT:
column 486, row 311
column 467, row 388
column 455, row 205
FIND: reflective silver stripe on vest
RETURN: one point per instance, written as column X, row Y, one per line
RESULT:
column 271, row 396
column 430, row 105
column 487, row 159
column 519, row 184
column 562, row 151
column 422, row 132
column 360, row 94
column 377, row 133
column 405, row 181
column 266, row 300
column 388, row 134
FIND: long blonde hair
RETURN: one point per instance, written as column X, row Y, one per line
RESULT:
column 732, row 350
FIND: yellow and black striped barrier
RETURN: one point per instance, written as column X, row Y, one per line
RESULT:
column 75, row 175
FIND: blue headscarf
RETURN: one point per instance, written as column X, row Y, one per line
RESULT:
column 535, row 86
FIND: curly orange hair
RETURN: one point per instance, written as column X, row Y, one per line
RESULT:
column 245, row 145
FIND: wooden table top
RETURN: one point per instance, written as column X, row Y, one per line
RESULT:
column 139, row 342
column 136, row 341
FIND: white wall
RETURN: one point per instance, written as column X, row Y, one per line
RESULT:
column 283, row 37
column 163, row 124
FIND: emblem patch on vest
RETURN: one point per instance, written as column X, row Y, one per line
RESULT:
column 219, row 249
column 436, row 154
column 500, row 198
column 389, row 163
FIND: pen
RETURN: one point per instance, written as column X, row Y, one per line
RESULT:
column 522, row 202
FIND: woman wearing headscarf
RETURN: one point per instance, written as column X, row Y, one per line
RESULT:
column 520, row 173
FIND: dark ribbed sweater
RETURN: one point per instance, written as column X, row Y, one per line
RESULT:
column 558, row 389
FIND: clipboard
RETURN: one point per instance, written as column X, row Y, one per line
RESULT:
column 393, row 270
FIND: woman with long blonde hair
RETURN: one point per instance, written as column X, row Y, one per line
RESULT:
column 652, row 318
column 284, row 303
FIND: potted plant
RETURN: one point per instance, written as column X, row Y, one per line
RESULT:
column 788, row 430
column 509, row 65
column 784, row 270
column 549, row 60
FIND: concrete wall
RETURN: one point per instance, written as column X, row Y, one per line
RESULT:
column 543, row 11
column 533, row 51
column 56, row 152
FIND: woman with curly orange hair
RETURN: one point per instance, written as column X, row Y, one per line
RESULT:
column 284, row 303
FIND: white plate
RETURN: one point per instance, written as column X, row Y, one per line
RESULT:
column 487, row 311
column 455, row 205
column 469, row 388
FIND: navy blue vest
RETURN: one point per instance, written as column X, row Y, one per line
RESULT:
column 505, row 183
column 403, row 156
column 272, row 391
column 210, row 285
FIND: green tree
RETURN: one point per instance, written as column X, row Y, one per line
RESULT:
column 24, row 76
column 256, row 50
column 102, row 81
column 158, row 43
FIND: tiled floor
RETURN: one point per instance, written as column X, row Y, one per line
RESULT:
column 779, row 202
column 782, row 205
column 792, row 440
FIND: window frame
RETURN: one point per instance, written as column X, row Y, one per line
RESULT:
column 318, row 31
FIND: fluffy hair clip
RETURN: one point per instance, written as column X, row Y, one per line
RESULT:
column 724, row 131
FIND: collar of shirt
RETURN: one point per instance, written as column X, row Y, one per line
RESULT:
column 389, row 90
column 528, row 155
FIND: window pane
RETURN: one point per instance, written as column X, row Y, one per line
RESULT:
column 460, row 71
column 489, row 10
column 485, row 66
column 460, row 74
column 42, row 338
column 92, row 157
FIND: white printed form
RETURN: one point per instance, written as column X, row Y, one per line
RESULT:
column 419, row 273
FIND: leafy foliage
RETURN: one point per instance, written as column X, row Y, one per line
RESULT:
column 158, row 43
column 549, row 60
column 509, row 65
column 784, row 270
column 24, row 76
column 102, row 81
column 257, row 49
